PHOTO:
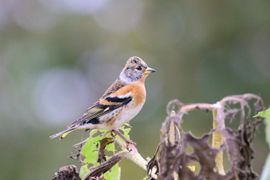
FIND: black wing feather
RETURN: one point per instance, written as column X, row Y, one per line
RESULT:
column 93, row 113
column 124, row 100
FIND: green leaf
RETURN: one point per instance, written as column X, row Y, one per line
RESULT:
column 90, row 150
column 266, row 169
column 93, row 132
column 84, row 171
column 110, row 147
column 114, row 173
column 126, row 130
column 266, row 114
column 90, row 153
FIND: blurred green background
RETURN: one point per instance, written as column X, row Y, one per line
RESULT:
column 57, row 57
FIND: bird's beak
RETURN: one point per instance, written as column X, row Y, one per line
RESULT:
column 150, row 70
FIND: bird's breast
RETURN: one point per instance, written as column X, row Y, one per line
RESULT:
column 139, row 94
column 127, row 114
column 129, row 111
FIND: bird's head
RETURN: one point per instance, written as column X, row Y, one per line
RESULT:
column 135, row 69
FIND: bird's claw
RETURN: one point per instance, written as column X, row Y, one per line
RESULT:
column 130, row 145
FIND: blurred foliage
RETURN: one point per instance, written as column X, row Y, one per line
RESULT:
column 56, row 57
column 266, row 114
column 266, row 169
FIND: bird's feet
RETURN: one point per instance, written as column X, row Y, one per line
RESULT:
column 130, row 145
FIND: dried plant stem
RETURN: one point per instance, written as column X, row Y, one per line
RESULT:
column 219, row 112
column 218, row 125
column 217, row 138
column 171, row 161
column 132, row 154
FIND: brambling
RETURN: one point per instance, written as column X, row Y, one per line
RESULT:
column 120, row 103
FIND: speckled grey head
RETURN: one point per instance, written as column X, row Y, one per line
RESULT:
column 135, row 69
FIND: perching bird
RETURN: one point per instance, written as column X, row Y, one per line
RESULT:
column 120, row 103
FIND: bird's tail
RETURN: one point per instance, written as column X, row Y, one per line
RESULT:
column 62, row 134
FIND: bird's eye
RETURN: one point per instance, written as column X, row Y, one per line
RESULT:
column 139, row 68
column 135, row 61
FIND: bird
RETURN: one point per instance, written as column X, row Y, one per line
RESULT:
column 120, row 103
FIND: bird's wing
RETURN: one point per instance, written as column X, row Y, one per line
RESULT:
column 105, row 105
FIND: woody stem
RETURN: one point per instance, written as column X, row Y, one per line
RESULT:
column 128, row 141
